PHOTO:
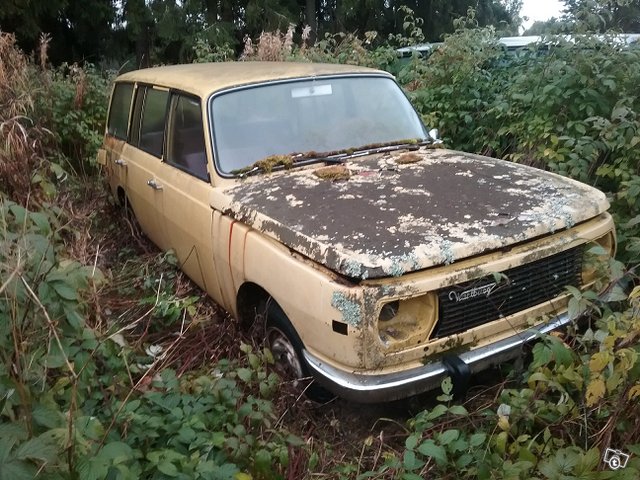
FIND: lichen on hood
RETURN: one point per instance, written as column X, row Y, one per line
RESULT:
column 438, row 210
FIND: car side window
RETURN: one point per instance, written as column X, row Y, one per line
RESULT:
column 149, row 114
column 119, row 111
column 186, row 146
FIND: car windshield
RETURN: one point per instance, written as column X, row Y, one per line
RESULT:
column 319, row 115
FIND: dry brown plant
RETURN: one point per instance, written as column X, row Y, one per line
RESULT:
column 43, row 50
column 80, row 77
column 271, row 46
column 20, row 140
column 249, row 49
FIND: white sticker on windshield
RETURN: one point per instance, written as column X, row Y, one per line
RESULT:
column 313, row 91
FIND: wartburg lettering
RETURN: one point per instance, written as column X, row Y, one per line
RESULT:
column 312, row 199
column 484, row 291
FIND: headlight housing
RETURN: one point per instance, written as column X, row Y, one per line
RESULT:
column 407, row 322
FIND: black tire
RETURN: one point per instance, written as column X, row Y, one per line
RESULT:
column 286, row 347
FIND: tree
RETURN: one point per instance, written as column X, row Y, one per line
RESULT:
column 603, row 15
column 553, row 26
column 166, row 31
column 79, row 30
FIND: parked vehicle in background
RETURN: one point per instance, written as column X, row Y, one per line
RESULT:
column 312, row 198
column 513, row 44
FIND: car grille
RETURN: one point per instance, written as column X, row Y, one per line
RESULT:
column 480, row 301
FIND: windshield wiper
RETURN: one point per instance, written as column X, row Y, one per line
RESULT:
column 369, row 150
column 335, row 157
column 342, row 156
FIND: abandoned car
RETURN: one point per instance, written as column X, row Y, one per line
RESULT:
column 315, row 195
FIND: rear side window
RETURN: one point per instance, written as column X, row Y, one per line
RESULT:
column 186, row 149
column 119, row 111
column 150, row 112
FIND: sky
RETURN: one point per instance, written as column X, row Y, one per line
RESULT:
column 540, row 10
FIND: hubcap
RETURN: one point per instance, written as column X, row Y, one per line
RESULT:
column 284, row 353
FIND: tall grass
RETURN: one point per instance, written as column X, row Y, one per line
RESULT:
column 21, row 139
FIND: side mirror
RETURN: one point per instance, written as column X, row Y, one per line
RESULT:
column 434, row 136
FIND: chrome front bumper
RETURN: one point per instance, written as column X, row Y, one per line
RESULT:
column 372, row 388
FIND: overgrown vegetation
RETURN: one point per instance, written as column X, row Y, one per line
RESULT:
column 82, row 394
column 115, row 366
column 570, row 107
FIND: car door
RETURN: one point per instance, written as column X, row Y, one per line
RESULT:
column 186, row 189
column 110, row 154
column 142, row 156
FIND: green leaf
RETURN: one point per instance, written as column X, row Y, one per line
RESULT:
column 410, row 462
column 447, row 386
column 295, row 441
column 526, row 455
column 590, row 460
column 436, row 412
column 541, row 355
column 116, row 452
column 37, row 449
column 17, row 470
column 411, row 442
column 477, row 439
column 41, row 221
column 464, row 460
column 65, row 290
column 430, row 449
column 458, row 410
column 410, row 476
column 92, row 468
column 186, row 434
column 217, row 439
column 263, row 460
column 254, row 361
column 244, row 374
column 448, row 436
column 19, row 213
column 562, row 354
column 89, row 427
column 168, row 468
column 10, row 434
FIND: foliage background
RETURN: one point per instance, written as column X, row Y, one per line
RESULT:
column 114, row 366
column 144, row 32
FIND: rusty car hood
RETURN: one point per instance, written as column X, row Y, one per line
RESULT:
column 390, row 217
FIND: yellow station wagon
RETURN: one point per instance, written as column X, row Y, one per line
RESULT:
column 312, row 197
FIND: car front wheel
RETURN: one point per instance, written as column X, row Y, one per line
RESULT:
column 286, row 347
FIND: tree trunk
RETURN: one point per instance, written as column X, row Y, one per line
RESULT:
column 139, row 26
column 211, row 13
column 312, row 21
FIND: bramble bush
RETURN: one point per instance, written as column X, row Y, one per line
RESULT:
column 570, row 107
column 83, row 395
column 79, row 395
column 577, row 398
column 567, row 106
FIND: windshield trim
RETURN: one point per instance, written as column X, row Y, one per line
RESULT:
column 213, row 96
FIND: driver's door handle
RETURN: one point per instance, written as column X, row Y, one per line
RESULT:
column 120, row 162
column 153, row 184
